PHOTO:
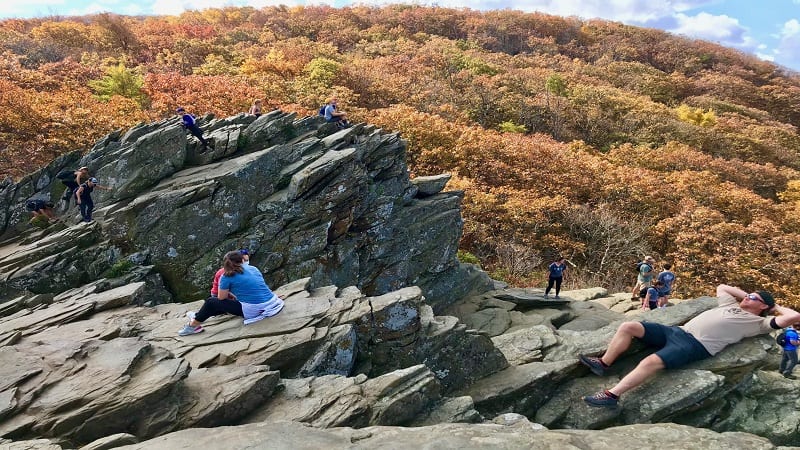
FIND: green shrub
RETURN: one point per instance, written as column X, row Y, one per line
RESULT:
column 120, row 268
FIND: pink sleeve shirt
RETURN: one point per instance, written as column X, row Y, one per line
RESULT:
column 215, row 283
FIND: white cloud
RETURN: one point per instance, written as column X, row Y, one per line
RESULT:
column 723, row 29
column 787, row 52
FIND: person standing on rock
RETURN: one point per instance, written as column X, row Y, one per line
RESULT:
column 84, row 198
column 789, row 358
column 190, row 123
column 251, row 298
column 645, row 276
column 739, row 315
column 555, row 274
column 666, row 278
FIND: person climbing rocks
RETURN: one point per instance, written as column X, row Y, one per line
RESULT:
column 555, row 275
column 84, row 198
column 190, row 123
column 738, row 315
column 72, row 179
column 40, row 208
column 242, row 292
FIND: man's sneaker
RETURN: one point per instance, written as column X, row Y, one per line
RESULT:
column 601, row 399
column 557, row 296
column 594, row 364
column 188, row 329
column 546, row 295
column 789, row 376
column 190, row 314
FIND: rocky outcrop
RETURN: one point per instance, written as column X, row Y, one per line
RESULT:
column 384, row 338
column 308, row 200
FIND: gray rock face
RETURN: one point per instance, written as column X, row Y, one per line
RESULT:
column 521, row 434
column 309, row 201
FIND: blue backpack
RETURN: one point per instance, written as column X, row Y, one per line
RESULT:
column 322, row 110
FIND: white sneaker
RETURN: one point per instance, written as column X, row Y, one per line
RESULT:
column 190, row 314
column 188, row 329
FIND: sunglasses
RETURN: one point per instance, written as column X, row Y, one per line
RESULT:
column 756, row 298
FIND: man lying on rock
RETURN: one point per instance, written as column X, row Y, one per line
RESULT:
column 700, row 338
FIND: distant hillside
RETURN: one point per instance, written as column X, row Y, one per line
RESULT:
column 596, row 140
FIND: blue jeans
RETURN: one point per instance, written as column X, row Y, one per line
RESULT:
column 87, row 206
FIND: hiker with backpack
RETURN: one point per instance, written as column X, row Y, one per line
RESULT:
column 738, row 315
column 789, row 340
column 644, row 276
column 72, row 179
column 189, row 122
column 332, row 114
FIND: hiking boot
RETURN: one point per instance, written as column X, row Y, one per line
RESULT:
column 188, row 329
column 789, row 376
column 601, row 399
column 594, row 364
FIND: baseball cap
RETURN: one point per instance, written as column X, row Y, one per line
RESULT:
column 244, row 251
column 767, row 297
column 93, row 180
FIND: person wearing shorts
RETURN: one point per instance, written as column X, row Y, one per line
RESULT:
column 738, row 315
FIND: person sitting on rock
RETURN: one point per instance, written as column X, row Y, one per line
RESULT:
column 190, row 123
column 667, row 278
column 333, row 115
column 256, row 108
column 651, row 296
column 252, row 299
column 739, row 315
column 40, row 208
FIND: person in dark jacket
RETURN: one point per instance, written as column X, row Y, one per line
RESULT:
column 84, row 197
column 72, row 179
column 190, row 123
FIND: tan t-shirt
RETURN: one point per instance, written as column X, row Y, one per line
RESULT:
column 726, row 324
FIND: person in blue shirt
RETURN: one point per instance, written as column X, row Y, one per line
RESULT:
column 190, row 123
column 555, row 274
column 242, row 292
column 666, row 278
column 333, row 115
column 789, row 359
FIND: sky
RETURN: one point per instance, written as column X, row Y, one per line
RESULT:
column 769, row 29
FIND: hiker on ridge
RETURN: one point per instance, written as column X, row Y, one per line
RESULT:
column 789, row 357
column 644, row 277
column 555, row 275
column 190, row 123
column 739, row 315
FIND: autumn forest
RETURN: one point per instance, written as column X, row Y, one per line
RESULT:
column 590, row 139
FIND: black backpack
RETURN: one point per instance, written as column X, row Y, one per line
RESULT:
column 781, row 338
column 66, row 175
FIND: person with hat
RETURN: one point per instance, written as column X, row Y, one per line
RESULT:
column 84, row 197
column 190, row 123
column 738, row 315
column 72, row 179
column 644, row 277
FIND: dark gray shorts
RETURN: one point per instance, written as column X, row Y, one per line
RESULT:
column 676, row 347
